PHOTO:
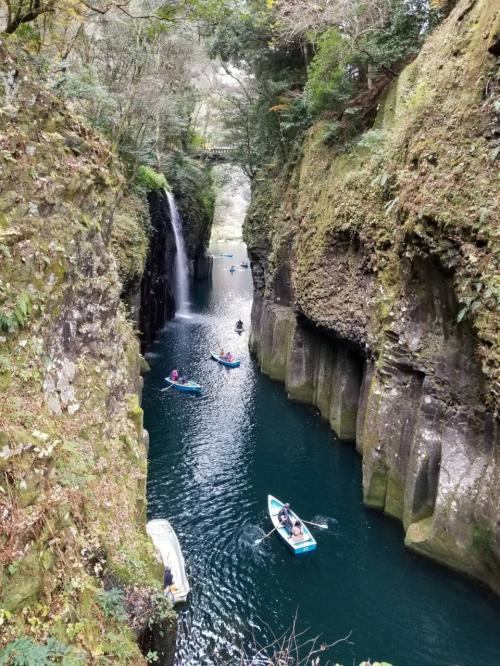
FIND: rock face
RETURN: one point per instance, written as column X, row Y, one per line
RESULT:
column 157, row 285
column 72, row 457
column 374, row 271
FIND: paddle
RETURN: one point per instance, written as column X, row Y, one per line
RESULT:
column 320, row 525
column 166, row 389
column 265, row 537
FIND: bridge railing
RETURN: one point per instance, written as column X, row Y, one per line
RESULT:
column 215, row 152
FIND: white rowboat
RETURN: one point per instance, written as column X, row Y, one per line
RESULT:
column 169, row 553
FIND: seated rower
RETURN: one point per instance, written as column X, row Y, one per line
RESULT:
column 239, row 324
column 168, row 579
column 285, row 518
column 174, row 375
column 221, row 353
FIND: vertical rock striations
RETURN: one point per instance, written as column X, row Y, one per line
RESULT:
column 375, row 271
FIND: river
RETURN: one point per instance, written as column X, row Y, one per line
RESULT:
column 212, row 461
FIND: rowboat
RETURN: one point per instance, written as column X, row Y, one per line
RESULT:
column 305, row 543
column 168, row 551
column 228, row 364
column 188, row 387
column 232, row 270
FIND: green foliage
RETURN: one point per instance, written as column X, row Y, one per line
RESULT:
column 150, row 180
column 112, row 603
column 15, row 317
column 192, row 185
column 27, row 652
column 342, row 64
column 329, row 82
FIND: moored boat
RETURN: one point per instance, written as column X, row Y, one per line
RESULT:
column 188, row 387
column 228, row 364
column 305, row 543
column 169, row 552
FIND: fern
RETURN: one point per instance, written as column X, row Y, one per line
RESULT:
column 113, row 603
column 12, row 320
column 27, row 652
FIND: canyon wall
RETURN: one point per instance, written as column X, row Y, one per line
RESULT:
column 78, row 574
column 375, row 266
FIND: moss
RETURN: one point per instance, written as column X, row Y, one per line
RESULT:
column 375, row 492
column 344, row 424
column 394, row 498
column 150, row 179
column 76, row 482
column 136, row 415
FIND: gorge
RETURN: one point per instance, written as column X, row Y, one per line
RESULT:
column 368, row 135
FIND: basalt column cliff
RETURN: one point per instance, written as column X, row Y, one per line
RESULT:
column 376, row 274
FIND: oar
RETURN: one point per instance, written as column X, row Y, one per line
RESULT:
column 166, row 389
column 321, row 525
column 265, row 537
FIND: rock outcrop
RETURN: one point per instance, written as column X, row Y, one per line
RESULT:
column 375, row 267
column 74, row 555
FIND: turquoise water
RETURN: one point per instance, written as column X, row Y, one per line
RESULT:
column 213, row 460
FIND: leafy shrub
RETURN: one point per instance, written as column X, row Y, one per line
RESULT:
column 151, row 180
column 328, row 81
column 113, row 603
column 27, row 652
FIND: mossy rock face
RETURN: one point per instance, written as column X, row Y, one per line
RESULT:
column 71, row 451
column 300, row 367
column 24, row 585
column 375, row 489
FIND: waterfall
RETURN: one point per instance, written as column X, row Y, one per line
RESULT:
column 181, row 265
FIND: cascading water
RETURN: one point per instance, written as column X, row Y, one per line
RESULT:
column 181, row 265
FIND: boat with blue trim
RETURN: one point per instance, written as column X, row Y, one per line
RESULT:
column 187, row 386
column 235, row 363
column 300, row 544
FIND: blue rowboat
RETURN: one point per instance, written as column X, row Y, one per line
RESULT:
column 232, row 270
column 188, row 387
column 305, row 543
column 228, row 364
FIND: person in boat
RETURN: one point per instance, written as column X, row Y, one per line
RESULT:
column 285, row 518
column 239, row 324
column 228, row 357
column 183, row 380
column 221, row 353
column 297, row 531
column 174, row 375
column 168, row 579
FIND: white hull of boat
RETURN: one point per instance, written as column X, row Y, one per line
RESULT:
column 170, row 554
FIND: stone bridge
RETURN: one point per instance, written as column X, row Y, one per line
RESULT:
column 214, row 154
